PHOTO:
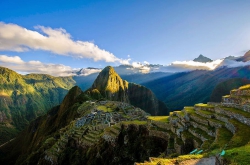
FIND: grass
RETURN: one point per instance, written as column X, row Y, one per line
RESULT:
column 206, row 112
column 181, row 113
column 245, row 87
column 239, row 156
column 104, row 108
column 223, row 137
column 226, row 96
column 241, row 137
column 138, row 122
column 217, row 121
column 159, row 118
column 199, row 116
column 203, row 133
column 204, row 105
column 189, row 110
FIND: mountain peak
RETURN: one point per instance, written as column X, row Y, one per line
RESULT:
column 245, row 58
column 110, row 85
column 108, row 70
column 203, row 59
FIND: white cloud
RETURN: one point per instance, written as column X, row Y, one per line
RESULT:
column 197, row 65
column 88, row 71
column 17, row 64
column 8, row 59
column 58, row 41
column 233, row 64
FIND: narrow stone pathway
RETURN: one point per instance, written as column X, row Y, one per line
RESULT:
column 203, row 161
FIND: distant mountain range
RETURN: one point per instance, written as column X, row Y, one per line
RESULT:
column 200, row 63
column 188, row 88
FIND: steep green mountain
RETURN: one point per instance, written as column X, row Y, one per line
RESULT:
column 24, row 98
column 109, row 85
column 189, row 88
column 86, row 131
column 225, row 87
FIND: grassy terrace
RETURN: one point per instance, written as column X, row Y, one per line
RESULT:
column 174, row 117
column 237, row 111
column 198, row 116
column 104, row 108
column 226, row 96
column 239, row 156
column 223, row 137
column 138, row 122
column 181, row 113
column 208, row 127
column 241, row 137
column 189, row 110
column 201, row 132
column 159, row 118
column 204, row 105
column 206, row 112
column 245, row 87
column 217, row 121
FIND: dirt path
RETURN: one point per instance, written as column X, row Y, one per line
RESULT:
column 203, row 161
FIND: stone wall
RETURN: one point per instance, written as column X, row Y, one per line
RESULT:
column 231, row 114
column 221, row 118
column 240, row 92
column 245, row 108
column 197, row 135
column 196, row 144
column 199, row 120
column 204, row 115
column 209, row 132
column 204, row 108
column 214, row 124
column 213, row 104
column 230, row 127
column 178, row 148
column 161, row 125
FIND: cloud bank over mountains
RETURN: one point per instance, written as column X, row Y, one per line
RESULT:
column 17, row 64
column 16, row 38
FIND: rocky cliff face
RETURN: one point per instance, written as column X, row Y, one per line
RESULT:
column 110, row 85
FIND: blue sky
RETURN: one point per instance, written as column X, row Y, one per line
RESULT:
column 156, row 31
